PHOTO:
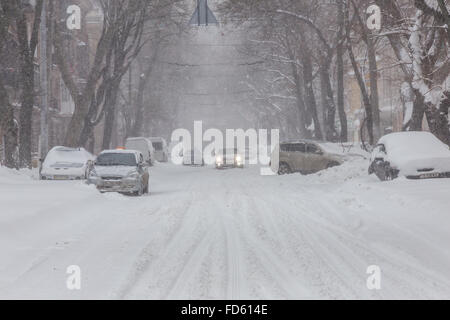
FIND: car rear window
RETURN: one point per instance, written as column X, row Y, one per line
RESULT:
column 298, row 147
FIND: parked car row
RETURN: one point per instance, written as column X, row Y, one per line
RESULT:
column 122, row 170
column 414, row 155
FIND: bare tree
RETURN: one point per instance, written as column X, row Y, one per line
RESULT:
column 28, row 41
column 82, row 97
column 420, row 41
column 8, row 127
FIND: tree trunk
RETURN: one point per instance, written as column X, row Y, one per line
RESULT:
column 300, row 103
column 374, row 97
column 27, row 49
column 437, row 119
column 340, row 73
column 310, row 98
column 139, row 102
column 8, row 128
column 365, row 95
column 26, row 114
column 110, row 114
column 328, row 105
column 418, row 113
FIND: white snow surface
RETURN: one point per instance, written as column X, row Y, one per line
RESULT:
column 229, row 234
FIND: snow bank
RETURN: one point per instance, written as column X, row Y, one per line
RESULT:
column 344, row 149
column 13, row 176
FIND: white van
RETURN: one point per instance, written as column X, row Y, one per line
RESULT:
column 161, row 150
column 143, row 145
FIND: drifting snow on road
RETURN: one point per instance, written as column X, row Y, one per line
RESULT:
column 230, row 234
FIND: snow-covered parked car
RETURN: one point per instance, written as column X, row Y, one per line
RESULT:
column 123, row 171
column 62, row 163
column 415, row 155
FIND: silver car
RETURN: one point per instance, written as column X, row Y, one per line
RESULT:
column 306, row 157
column 123, row 171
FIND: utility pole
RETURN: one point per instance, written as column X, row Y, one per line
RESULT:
column 43, row 145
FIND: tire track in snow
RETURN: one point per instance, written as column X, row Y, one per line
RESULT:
column 147, row 255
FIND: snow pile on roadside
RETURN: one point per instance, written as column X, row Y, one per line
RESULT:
column 11, row 176
column 345, row 149
column 350, row 170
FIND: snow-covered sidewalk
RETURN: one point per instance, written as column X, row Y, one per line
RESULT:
column 207, row 234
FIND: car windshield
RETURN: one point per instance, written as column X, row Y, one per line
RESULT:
column 158, row 146
column 116, row 159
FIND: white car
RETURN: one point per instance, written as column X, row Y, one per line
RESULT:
column 415, row 155
column 161, row 150
column 229, row 158
column 62, row 163
column 144, row 146
column 123, row 171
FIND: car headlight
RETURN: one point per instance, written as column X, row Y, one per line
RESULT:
column 238, row 158
column 133, row 176
column 219, row 159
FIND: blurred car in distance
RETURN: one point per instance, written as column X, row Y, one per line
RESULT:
column 161, row 149
column 414, row 155
column 143, row 145
column 229, row 158
column 62, row 163
column 123, row 171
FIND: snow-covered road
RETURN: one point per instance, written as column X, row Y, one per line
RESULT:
column 232, row 234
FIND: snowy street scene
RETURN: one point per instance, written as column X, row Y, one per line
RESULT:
column 224, row 150
column 207, row 234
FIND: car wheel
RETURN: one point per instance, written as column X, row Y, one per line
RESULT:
column 140, row 192
column 284, row 169
column 387, row 174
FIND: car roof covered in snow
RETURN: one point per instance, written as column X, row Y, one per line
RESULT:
column 137, row 139
column 67, row 155
column 348, row 149
column 128, row 151
column 414, row 144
